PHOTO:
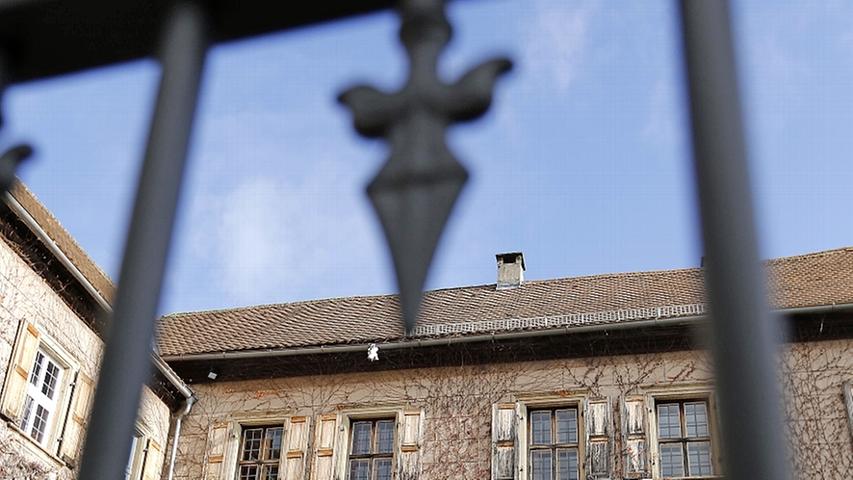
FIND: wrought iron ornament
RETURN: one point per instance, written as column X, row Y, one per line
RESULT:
column 415, row 190
column 9, row 161
column 12, row 157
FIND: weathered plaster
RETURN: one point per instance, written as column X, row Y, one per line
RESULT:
column 24, row 296
column 458, row 403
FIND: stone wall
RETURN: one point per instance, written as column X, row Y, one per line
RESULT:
column 458, row 404
column 25, row 297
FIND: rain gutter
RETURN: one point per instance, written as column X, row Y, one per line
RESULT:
column 66, row 262
column 431, row 342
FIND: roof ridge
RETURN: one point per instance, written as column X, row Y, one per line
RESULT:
column 641, row 273
column 314, row 300
column 597, row 276
column 268, row 305
column 821, row 253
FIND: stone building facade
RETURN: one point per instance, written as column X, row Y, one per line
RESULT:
column 51, row 341
column 601, row 377
column 595, row 377
column 461, row 406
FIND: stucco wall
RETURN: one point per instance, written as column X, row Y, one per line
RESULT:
column 24, row 296
column 458, row 403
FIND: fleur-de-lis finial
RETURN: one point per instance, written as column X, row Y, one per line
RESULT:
column 9, row 161
column 417, row 187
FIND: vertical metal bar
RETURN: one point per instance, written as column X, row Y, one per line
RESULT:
column 127, row 357
column 745, row 337
column 11, row 158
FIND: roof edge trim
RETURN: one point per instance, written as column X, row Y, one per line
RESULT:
column 66, row 262
column 415, row 343
column 45, row 239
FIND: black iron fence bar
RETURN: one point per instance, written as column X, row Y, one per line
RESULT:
column 126, row 361
column 745, row 339
column 54, row 37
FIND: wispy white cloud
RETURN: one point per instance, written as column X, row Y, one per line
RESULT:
column 555, row 40
column 272, row 220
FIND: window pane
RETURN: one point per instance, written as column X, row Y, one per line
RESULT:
column 696, row 418
column 128, row 469
column 252, row 444
column 40, row 423
column 37, row 366
column 359, row 469
column 28, row 410
column 567, row 464
column 361, row 438
column 540, row 464
column 669, row 423
column 382, row 467
column 699, row 458
column 671, row 460
column 50, row 378
column 270, row 472
column 567, row 425
column 385, row 436
column 540, row 424
column 272, row 443
column 249, row 472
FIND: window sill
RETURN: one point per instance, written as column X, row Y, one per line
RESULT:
column 36, row 448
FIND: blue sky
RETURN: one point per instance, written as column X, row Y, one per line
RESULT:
column 582, row 163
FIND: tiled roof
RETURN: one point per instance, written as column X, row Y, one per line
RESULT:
column 79, row 259
column 66, row 243
column 823, row 278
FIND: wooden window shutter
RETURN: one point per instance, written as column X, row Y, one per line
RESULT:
column 597, row 428
column 411, row 437
column 153, row 461
column 23, row 356
column 504, row 428
column 521, row 441
column 324, row 447
column 78, row 418
column 634, row 440
column 217, row 439
column 296, row 447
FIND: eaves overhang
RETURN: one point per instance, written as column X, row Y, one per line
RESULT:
column 609, row 338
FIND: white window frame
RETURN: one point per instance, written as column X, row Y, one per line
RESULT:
column 278, row 423
column 36, row 400
column 234, row 436
column 136, row 457
column 342, row 444
column 50, row 443
column 681, row 394
column 372, row 456
column 527, row 403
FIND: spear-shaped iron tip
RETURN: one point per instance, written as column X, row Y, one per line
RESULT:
column 9, row 161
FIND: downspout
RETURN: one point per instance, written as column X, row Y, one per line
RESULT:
column 176, row 434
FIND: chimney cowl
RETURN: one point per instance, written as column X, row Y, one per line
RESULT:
column 510, row 270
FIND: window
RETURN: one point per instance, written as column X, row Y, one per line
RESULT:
column 553, row 444
column 130, row 469
column 684, row 438
column 371, row 455
column 40, row 403
column 260, row 453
